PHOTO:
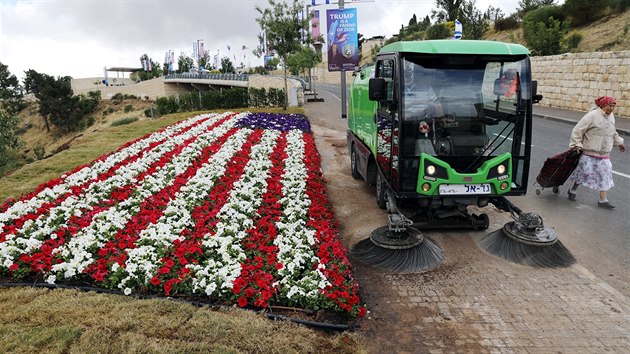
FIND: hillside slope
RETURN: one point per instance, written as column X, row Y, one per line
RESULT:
column 611, row 33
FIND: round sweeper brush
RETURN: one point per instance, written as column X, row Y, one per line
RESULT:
column 398, row 251
column 527, row 241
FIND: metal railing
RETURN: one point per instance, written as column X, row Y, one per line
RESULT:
column 204, row 76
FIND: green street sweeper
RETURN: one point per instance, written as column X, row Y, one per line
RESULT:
column 439, row 126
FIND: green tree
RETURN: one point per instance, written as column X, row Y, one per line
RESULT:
column 184, row 63
column 284, row 28
column 304, row 58
column 8, row 137
column 205, row 62
column 273, row 63
column 446, row 10
column 57, row 103
column 544, row 38
column 11, row 94
column 226, row 66
column 151, row 69
column 494, row 14
column 473, row 21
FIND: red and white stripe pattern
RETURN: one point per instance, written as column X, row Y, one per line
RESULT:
column 204, row 207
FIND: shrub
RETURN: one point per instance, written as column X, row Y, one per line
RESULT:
column 276, row 97
column 543, row 13
column 621, row 5
column 542, row 39
column 438, row 31
column 572, row 40
column 124, row 121
column 118, row 98
column 149, row 113
column 584, row 12
column 543, row 30
column 188, row 102
column 234, row 98
column 508, row 23
column 39, row 151
column 128, row 108
column 166, row 105
column 258, row 97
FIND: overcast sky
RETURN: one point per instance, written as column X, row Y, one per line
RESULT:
column 79, row 38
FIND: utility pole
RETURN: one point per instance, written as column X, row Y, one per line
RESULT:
column 344, row 114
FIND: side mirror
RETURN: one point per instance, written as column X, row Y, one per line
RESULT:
column 535, row 96
column 377, row 89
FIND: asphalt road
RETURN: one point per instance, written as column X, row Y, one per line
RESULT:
column 599, row 238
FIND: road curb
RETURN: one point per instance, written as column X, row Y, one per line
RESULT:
column 621, row 131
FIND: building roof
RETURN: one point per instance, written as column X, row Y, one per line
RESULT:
column 124, row 69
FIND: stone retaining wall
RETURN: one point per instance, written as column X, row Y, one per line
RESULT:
column 572, row 81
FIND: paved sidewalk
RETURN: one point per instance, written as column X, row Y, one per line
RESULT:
column 621, row 123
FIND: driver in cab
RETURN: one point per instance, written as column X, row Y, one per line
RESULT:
column 420, row 100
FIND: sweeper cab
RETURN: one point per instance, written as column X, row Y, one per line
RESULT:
column 439, row 126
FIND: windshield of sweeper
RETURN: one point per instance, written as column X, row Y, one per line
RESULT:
column 466, row 105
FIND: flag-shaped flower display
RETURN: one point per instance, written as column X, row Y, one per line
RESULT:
column 228, row 206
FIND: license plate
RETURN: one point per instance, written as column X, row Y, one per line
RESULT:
column 455, row 189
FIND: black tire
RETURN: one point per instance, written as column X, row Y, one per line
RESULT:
column 353, row 163
column 381, row 196
column 483, row 222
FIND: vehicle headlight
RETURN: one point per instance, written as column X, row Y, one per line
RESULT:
column 501, row 169
column 430, row 170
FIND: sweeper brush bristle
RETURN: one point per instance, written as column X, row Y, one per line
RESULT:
column 426, row 255
column 554, row 255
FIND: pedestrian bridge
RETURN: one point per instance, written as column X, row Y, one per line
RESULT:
column 208, row 81
column 175, row 84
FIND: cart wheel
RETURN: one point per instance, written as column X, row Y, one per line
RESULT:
column 538, row 192
column 556, row 190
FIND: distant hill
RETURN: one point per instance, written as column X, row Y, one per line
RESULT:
column 611, row 33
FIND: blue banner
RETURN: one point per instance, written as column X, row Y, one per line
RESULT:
column 342, row 39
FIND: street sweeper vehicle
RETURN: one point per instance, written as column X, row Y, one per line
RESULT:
column 441, row 126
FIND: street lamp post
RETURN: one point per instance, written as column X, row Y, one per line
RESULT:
column 344, row 114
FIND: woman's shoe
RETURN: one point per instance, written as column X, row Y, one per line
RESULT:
column 605, row 205
column 571, row 195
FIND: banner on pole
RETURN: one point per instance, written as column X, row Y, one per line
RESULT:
column 342, row 39
column 315, row 24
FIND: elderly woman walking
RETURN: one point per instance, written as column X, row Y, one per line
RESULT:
column 595, row 135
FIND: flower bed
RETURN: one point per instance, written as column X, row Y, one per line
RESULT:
column 228, row 206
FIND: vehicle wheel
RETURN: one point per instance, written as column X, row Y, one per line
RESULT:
column 483, row 222
column 555, row 190
column 381, row 196
column 353, row 163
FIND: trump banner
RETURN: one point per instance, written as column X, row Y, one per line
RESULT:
column 342, row 39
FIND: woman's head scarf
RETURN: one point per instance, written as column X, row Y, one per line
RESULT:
column 605, row 101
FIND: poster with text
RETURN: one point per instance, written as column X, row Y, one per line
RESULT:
column 342, row 39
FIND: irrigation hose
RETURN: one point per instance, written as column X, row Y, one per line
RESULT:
column 308, row 323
